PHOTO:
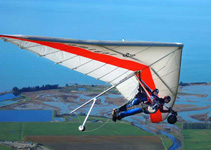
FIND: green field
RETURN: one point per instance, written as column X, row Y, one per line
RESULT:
column 19, row 130
column 10, row 131
column 89, row 88
column 2, row 147
column 197, row 139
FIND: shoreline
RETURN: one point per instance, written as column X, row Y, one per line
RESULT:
column 193, row 83
column 3, row 93
column 180, row 85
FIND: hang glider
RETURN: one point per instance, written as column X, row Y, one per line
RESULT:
column 114, row 62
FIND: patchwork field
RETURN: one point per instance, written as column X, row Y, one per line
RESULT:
column 98, row 142
column 197, row 139
column 65, row 135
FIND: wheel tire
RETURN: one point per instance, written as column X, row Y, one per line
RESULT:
column 81, row 128
column 172, row 119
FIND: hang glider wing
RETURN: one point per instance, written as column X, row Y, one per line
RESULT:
column 112, row 62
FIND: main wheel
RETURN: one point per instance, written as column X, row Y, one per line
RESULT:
column 172, row 119
column 81, row 128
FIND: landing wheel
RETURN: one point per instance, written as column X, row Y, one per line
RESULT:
column 81, row 128
column 172, row 119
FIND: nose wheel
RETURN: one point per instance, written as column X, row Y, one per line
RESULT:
column 172, row 119
column 81, row 128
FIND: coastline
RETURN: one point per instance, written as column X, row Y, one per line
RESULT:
column 181, row 85
column 70, row 94
column 3, row 93
column 193, row 83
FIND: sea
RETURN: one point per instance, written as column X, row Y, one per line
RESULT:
column 186, row 22
column 26, row 115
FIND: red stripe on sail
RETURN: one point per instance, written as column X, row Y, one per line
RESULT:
column 122, row 63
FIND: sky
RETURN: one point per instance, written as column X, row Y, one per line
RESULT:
column 186, row 22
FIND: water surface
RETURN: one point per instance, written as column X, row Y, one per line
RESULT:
column 25, row 115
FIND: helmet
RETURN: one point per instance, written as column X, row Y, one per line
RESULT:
column 168, row 98
column 155, row 90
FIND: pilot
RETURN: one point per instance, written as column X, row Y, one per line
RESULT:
column 118, row 114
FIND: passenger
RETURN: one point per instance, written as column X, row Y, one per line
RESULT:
column 154, row 96
column 140, row 97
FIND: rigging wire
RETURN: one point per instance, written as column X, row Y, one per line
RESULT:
column 99, row 126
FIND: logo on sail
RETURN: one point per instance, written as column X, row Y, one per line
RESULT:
column 128, row 55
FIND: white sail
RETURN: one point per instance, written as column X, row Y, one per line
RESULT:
column 112, row 62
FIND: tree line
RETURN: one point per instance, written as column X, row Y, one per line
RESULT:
column 196, row 125
column 193, row 83
column 17, row 91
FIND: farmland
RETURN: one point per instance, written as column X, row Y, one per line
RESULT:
column 65, row 134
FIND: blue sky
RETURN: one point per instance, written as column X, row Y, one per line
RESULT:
column 186, row 22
